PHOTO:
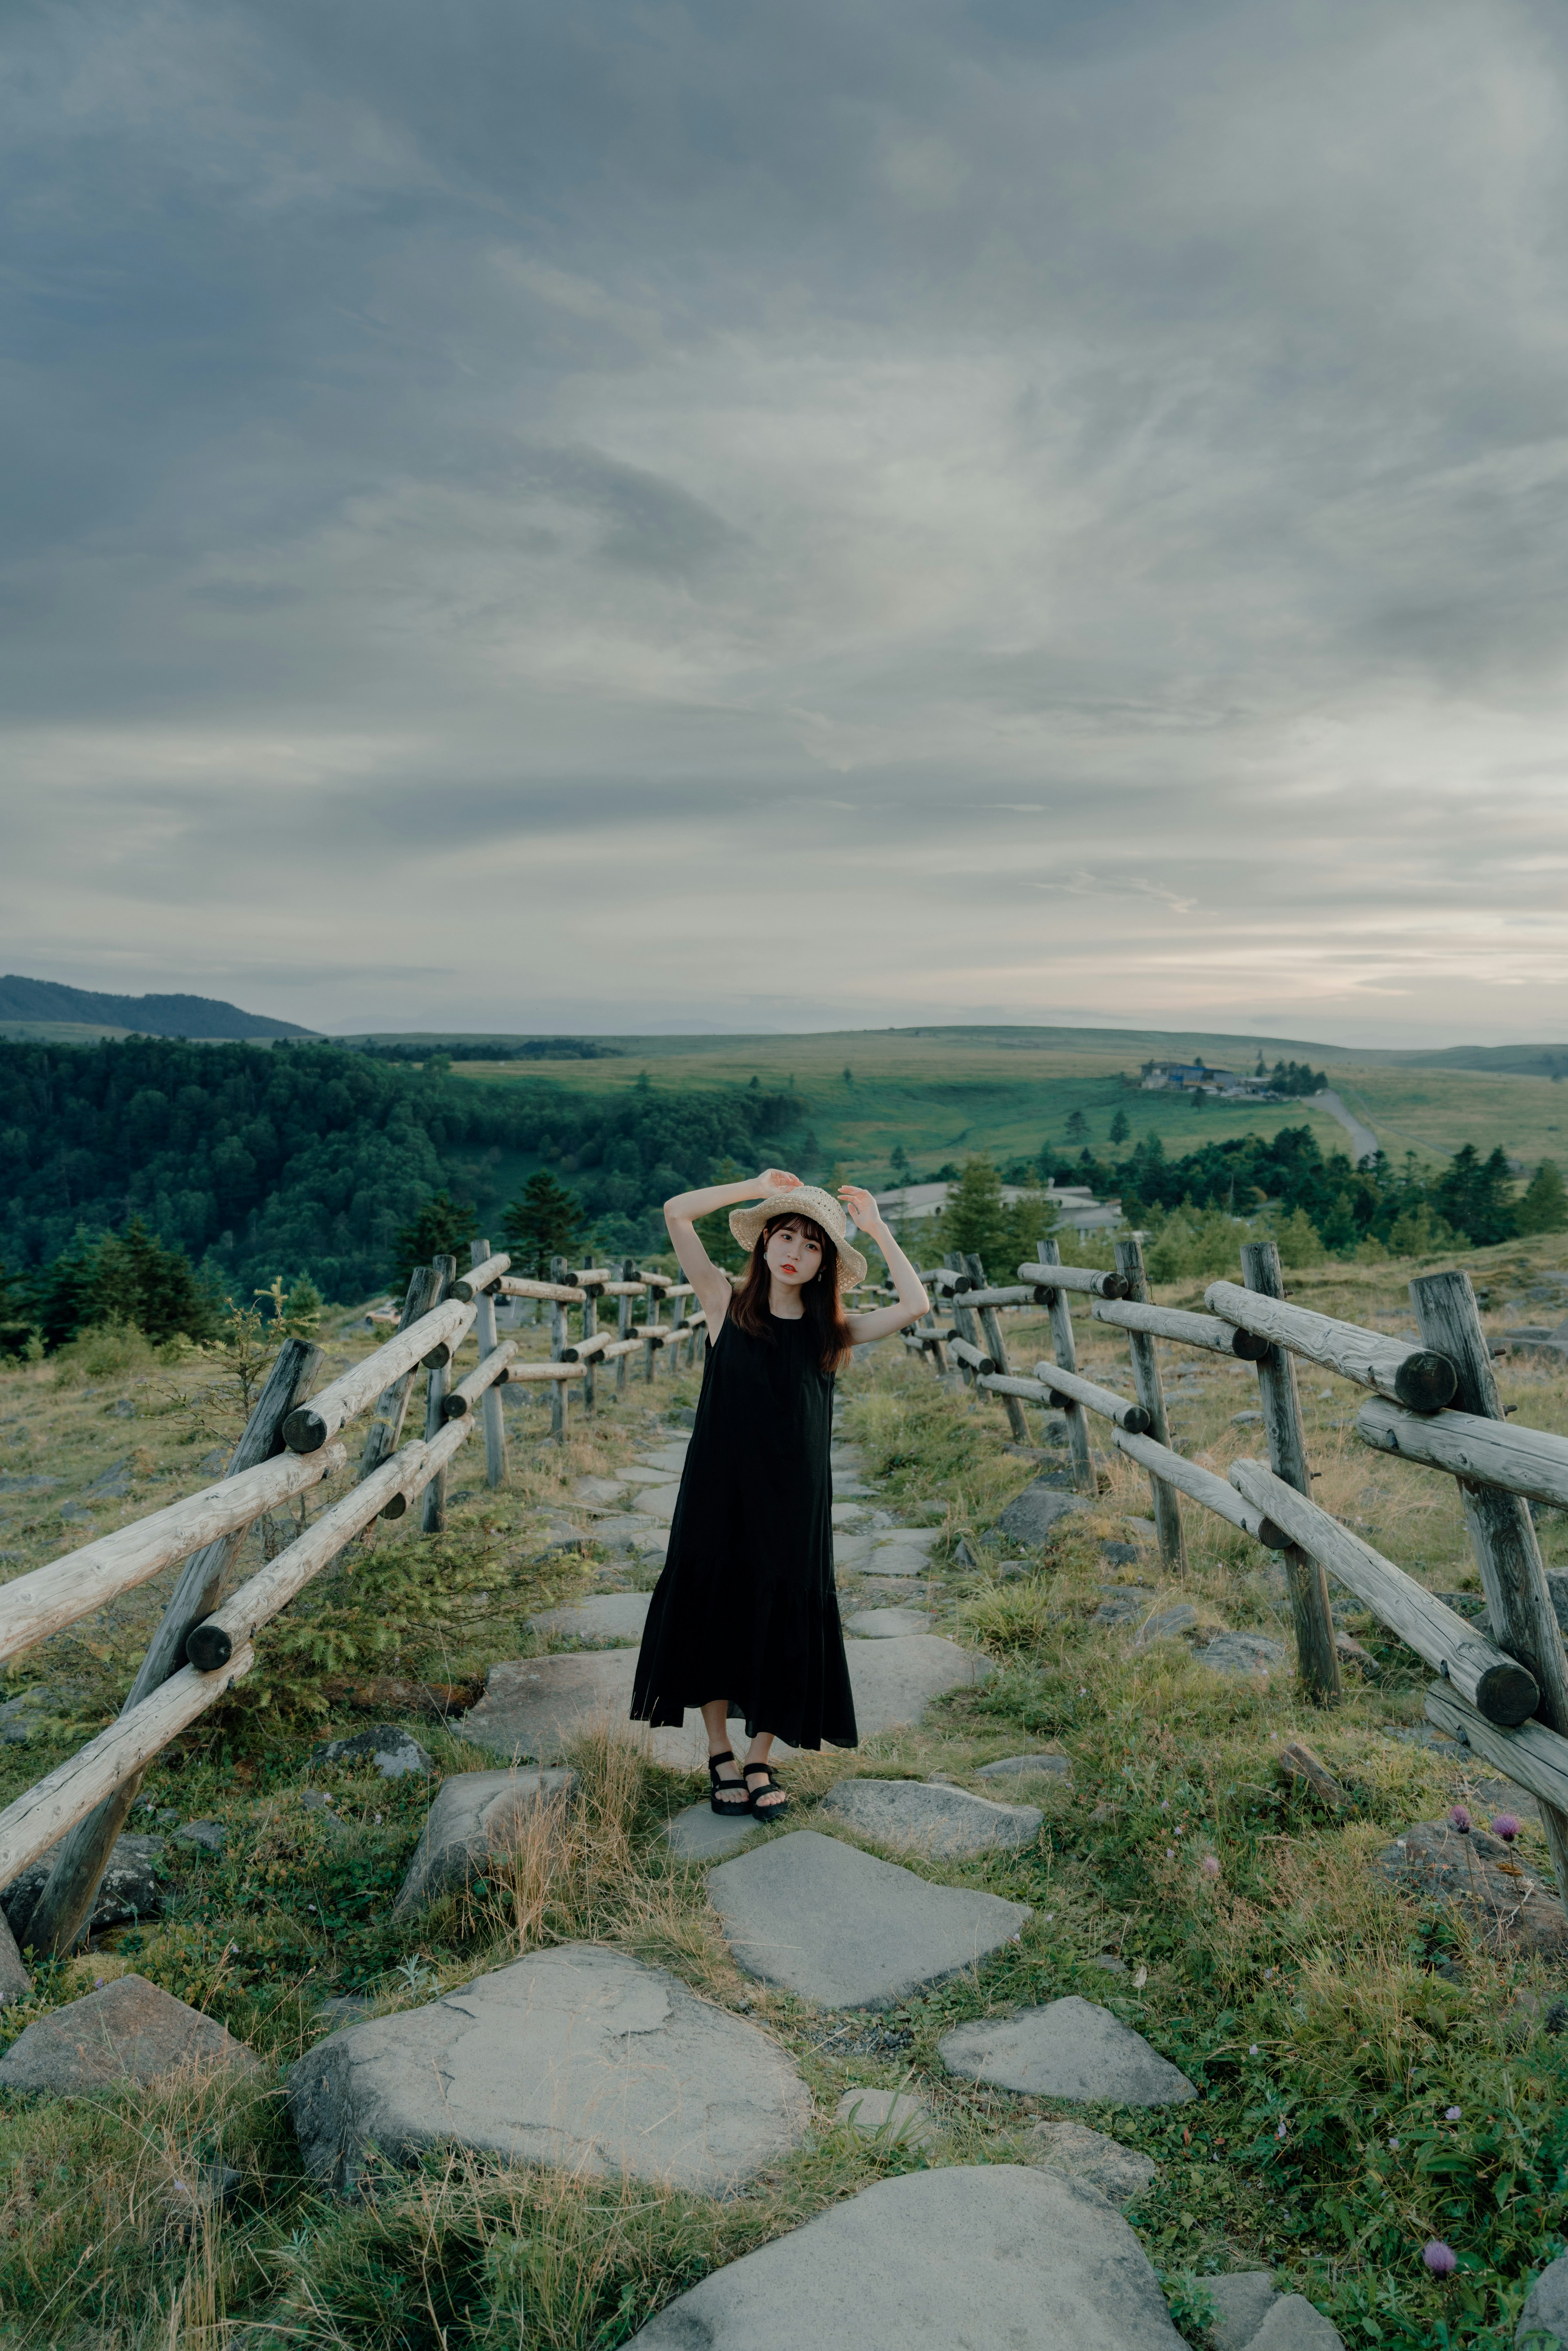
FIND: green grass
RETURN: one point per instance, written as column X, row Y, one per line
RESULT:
column 1329, row 2022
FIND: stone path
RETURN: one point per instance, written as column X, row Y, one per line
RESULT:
column 940, row 1822
column 580, row 2057
column 843, row 1929
column 977, row 2256
column 1069, row 2049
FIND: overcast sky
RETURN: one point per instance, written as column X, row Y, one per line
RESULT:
column 854, row 512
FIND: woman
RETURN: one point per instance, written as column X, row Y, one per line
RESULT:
column 745, row 1612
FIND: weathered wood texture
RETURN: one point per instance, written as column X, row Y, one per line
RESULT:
column 624, row 1292
column 547, row 1375
column 1503, row 1690
column 1317, row 1658
column 479, row 1382
column 987, row 1295
column 482, row 1272
column 1152, row 1396
column 385, row 1433
column 1202, row 1485
column 1502, row 1534
column 974, row 1359
column 1052, row 1275
column 1064, row 1347
column 309, row 1426
column 1210, row 1330
column 485, row 1334
column 36, row 1604
column 433, row 1519
column 64, row 1903
column 1074, row 1389
column 981, row 1302
column 1528, row 1461
column 1418, row 1377
column 561, row 1293
column 1530, row 1755
column 583, row 1351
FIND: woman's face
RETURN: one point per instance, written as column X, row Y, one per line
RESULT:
column 792, row 1255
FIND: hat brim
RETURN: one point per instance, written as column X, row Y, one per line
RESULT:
column 820, row 1208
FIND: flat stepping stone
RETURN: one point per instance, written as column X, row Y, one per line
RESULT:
column 894, row 1681
column 669, row 1460
column 893, row 1559
column 1037, row 1515
column 602, row 1491
column 396, row 1753
column 1070, row 2049
column 972, row 2255
column 699, row 1834
column 891, row 2116
column 1027, row 1767
column 840, row 1929
column 616, row 1616
column 1489, row 1881
column 656, row 1501
column 1245, row 1655
column 533, row 1706
column 886, row 1624
column 579, row 2057
column 127, row 2031
column 476, row 1818
column 1118, row 2172
column 946, row 1823
column 1290, row 2324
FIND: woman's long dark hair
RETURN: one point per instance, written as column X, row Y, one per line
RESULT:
column 819, row 1296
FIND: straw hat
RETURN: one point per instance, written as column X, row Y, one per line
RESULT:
column 805, row 1200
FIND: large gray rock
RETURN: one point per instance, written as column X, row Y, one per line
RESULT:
column 579, row 2057
column 476, row 1818
column 15, row 1983
column 126, row 2031
column 129, row 1888
column 1243, row 2300
column 972, row 2257
column 1544, row 2321
column 617, row 1616
column 845, row 1930
column 1119, row 2172
column 699, row 1834
column 1245, row 1654
column 396, row 1753
column 941, row 1821
column 1292, row 2325
column 1070, row 2048
column 1035, row 1515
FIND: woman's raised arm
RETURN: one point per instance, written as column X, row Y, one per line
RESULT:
column 709, row 1280
column 882, row 1320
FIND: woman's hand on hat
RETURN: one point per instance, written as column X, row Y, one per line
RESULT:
column 862, row 1208
column 778, row 1179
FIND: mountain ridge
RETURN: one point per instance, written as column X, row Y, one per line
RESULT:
column 197, row 1016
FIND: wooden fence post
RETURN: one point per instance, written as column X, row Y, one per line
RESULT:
column 495, row 1423
column 1317, row 1662
column 1152, row 1396
column 1065, row 1350
column 997, row 1348
column 433, row 1519
column 590, row 1325
column 64, row 1900
column 1501, row 1531
column 385, row 1431
column 624, row 1325
column 966, row 1321
column 558, row 1338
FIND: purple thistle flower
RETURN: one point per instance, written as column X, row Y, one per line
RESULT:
column 1452, row 2114
column 1441, row 2259
column 1506, row 1826
column 1461, row 1818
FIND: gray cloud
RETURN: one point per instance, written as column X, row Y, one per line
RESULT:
column 850, row 513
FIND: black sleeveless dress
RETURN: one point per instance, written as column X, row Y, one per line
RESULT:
column 746, row 1608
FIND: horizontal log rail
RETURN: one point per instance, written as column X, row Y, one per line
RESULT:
column 1074, row 1277
column 50, row 1598
column 1417, row 1377
column 1201, row 1485
column 1021, row 1294
column 1530, row 1755
column 561, row 1293
column 1210, row 1330
column 1498, row 1686
column 310, row 1428
column 529, row 1374
column 583, row 1350
column 467, row 1393
column 976, row 1358
column 1479, row 1452
column 1126, row 1414
column 480, row 1277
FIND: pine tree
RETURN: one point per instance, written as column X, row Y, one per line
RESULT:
column 1078, row 1127
column 1120, row 1127
column 974, row 1221
column 544, row 1223
column 898, row 1160
column 1475, row 1196
column 15, row 1325
column 443, row 1228
column 1544, row 1207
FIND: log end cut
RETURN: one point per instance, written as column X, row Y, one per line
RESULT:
column 1425, row 1381
column 1508, row 1693
column 305, row 1431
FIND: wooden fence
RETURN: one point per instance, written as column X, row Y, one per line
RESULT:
column 291, row 1443
column 1503, row 1692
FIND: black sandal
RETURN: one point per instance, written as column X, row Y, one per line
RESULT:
column 775, row 1812
column 732, row 1789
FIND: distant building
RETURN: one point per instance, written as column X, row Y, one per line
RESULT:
column 1201, row 1077
column 1077, row 1210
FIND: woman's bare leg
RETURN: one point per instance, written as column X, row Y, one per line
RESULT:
column 715, row 1719
column 772, row 1800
